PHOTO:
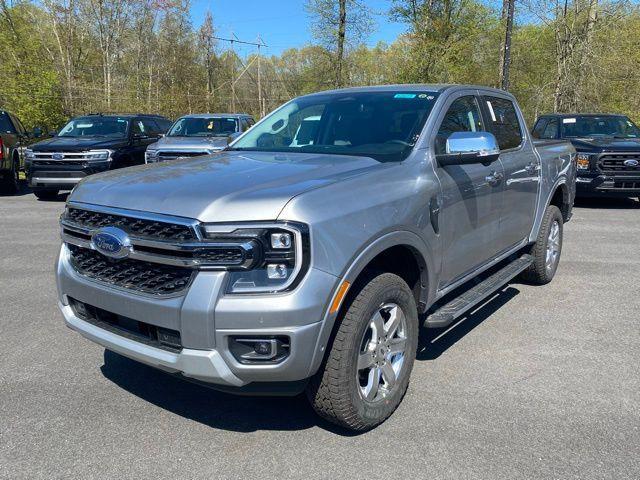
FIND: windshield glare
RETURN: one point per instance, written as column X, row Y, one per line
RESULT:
column 381, row 125
column 203, row 127
column 589, row 126
column 114, row 127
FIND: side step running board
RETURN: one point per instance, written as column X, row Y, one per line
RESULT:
column 446, row 314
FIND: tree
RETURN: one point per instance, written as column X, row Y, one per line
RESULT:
column 338, row 25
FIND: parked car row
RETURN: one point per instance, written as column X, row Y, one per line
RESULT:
column 95, row 143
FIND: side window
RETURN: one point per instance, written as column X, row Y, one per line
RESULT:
column 503, row 122
column 138, row 127
column 5, row 123
column 463, row 116
column 150, row 127
column 251, row 122
column 244, row 125
column 551, row 130
column 539, row 128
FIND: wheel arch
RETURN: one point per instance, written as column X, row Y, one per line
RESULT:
column 401, row 252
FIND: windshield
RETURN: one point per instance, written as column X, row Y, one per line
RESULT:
column 204, row 127
column 114, row 127
column 381, row 125
column 591, row 126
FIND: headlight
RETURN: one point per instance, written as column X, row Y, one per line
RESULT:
column 280, row 255
column 583, row 161
column 150, row 156
column 28, row 154
column 98, row 155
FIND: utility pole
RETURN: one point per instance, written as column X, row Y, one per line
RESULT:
column 508, row 9
column 259, row 41
column 233, row 74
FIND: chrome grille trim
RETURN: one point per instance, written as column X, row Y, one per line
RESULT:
column 67, row 156
column 195, row 253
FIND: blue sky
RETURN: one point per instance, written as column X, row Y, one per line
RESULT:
column 281, row 23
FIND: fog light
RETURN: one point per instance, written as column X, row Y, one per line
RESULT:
column 277, row 271
column 262, row 348
column 582, row 161
column 281, row 240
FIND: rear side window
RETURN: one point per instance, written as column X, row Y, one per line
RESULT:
column 150, row 127
column 550, row 130
column 503, row 122
column 462, row 116
column 539, row 128
column 5, row 123
column 164, row 124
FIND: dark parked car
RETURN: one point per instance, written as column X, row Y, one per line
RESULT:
column 13, row 138
column 90, row 144
column 608, row 151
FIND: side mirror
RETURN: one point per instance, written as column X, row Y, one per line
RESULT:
column 53, row 133
column 37, row 132
column 465, row 148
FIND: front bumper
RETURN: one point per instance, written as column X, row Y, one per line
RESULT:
column 207, row 318
column 62, row 176
column 607, row 186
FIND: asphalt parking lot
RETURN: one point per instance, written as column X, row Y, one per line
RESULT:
column 541, row 382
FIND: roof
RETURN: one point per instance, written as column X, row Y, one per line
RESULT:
column 582, row 115
column 216, row 115
column 127, row 115
column 412, row 87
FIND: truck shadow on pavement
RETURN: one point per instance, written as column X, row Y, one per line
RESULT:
column 248, row 414
column 608, row 203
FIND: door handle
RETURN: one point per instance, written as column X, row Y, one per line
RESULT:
column 532, row 167
column 494, row 178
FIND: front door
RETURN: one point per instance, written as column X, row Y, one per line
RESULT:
column 521, row 169
column 471, row 198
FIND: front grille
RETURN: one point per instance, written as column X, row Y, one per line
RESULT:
column 173, row 154
column 146, row 277
column 143, row 332
column 57, row 158
column 626, row 185
column 143, row 228
column 41, row 163
column 614, row 163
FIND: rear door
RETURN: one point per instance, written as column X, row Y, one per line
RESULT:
column 471, row 203
column 521, row 168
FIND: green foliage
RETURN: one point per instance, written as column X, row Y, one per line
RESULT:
column 53, row 65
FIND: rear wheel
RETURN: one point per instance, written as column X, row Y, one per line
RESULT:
column 547, row 249
column 46, row 194
column 367, row 369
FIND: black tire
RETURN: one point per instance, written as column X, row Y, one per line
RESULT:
column 540, row 272
column 336, row 390
column 10, row 184
column 42, row 194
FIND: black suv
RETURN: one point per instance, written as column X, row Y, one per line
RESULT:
column 608, row 151
column 90, row 144
column 13, row 138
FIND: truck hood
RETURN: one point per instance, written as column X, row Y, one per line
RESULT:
column 190, row 143
column 606, row 144
column 224, row 187
column 77, row 144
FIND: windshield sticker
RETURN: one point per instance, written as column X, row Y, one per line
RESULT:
column 84, row 125
column 568, row 120
column 121, row 121
column 404, row 95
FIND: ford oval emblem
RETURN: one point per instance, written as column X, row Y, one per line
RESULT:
column 112, row 242
column 57, row 156
column 632, row 162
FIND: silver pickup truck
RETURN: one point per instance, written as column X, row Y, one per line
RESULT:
column 309, row 253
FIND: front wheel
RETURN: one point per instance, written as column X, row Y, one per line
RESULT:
column 547, row 249
column 366, row 372
column 11, row 183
